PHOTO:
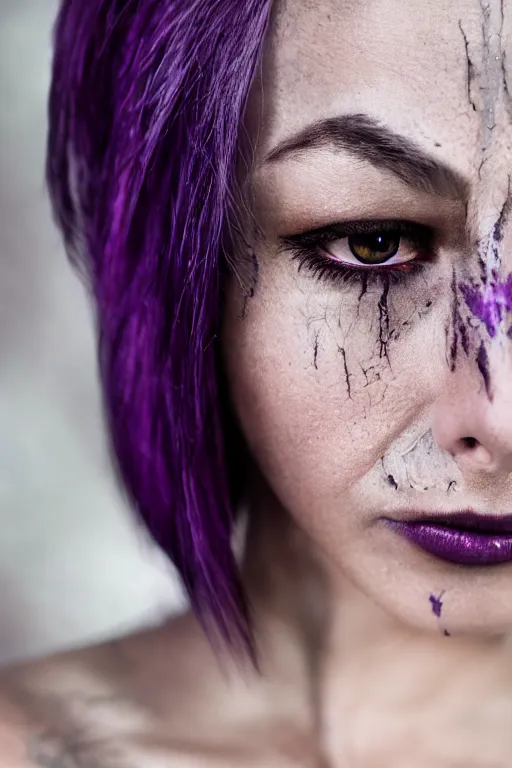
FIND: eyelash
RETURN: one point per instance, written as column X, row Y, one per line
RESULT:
column 306, row 248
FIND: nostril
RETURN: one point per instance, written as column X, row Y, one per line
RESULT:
column 469, row 442
column 477, row 456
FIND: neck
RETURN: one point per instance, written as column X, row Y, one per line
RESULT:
column 352, row 662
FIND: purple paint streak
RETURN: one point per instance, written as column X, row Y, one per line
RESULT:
column 437, row 604
column 490, row 303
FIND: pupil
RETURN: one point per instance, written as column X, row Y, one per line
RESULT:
column 381, row 243
column 374, row 248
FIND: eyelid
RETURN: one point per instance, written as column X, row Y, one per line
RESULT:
column 308, row 249
column 419, row 235
column 338, row 230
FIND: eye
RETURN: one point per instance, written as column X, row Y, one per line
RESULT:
column 363, row 249
column 369, row 249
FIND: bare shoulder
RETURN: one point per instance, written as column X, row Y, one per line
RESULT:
column 50, row 716
column 153, row 699
column 88, row 708
column 131, row 702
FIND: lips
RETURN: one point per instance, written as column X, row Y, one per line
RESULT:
column 463, row 538
column 471, row 521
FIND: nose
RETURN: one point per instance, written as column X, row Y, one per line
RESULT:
column 474, row 421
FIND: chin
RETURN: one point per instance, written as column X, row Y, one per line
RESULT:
column 421, row 592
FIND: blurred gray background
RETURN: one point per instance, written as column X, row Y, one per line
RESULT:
column 74, row 567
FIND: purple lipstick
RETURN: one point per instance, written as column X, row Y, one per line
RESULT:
column 464, row 538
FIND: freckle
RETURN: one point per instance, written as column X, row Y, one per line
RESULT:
column 446, row 633
column 392, row 482
column 428, row 304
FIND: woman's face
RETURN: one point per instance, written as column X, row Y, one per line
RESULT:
column 365, row 359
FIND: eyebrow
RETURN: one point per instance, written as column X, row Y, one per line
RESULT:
column 363, row 136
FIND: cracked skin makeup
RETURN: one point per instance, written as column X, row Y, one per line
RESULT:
column 357, row 319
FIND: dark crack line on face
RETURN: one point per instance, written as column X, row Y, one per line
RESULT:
column 455, row 324
column 470, row 68
column 365, row 373
column 342, row 352
column 503, row 217
column 364, row 290
column 482, row 163
column 315, row 350
column 483, row 366
column 250, row 292
column 243, row 313
column 447, row 343
column 347, row 374
column 464, row 338
column 384, row 322
column 364, row 286
column 459, row 330
column 508, row 95
column 495, row 238
column 483, row 270
column 316, row 319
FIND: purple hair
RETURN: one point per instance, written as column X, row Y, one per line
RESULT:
column 146, row 107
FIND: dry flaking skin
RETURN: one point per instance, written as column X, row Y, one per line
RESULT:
column 421, row 466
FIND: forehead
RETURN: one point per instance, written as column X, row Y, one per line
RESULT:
column 433, row 70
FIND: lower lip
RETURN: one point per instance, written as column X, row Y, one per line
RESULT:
column 458, row 546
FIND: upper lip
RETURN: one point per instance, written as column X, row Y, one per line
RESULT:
column 465, row 520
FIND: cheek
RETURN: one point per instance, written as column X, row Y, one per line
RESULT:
column 317, row 402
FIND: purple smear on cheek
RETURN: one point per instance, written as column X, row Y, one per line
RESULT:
column 490, row 303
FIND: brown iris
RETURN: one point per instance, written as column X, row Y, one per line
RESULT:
column 374, row 248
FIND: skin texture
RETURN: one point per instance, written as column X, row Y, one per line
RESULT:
column 356, row 400
column 328, row 434
column 430, row 428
